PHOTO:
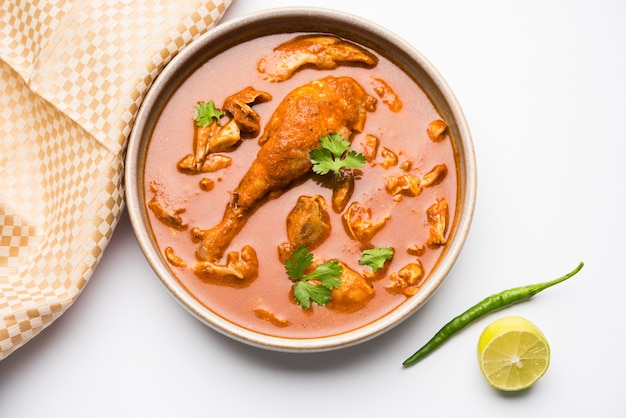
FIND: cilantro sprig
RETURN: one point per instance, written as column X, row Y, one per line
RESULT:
column 334, row 154
column 376, row 257
column 315, row 286
column 205, row 112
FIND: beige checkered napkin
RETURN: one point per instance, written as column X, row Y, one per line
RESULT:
column 72, row 75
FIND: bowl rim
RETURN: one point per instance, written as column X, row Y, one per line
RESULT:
column 174, row 74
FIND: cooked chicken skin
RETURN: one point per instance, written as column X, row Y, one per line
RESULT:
column 313, row 110
column 358, row 223
column 308, row 224
column 240, row 269
column 169, row 218
column 438, row 219
column 355, row 291
column 407, row 280
column 319, row 51
column 239, row 106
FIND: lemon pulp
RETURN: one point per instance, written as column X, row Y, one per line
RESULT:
column 513, row 353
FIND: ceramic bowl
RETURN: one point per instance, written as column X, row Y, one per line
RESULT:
column 356, row 29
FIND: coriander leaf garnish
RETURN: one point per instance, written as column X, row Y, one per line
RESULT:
column 301, row 259
column 335, row 154
column 328, row 274
column 205, row 112
column 376, row 257
column 306, row 292
column 315, row 286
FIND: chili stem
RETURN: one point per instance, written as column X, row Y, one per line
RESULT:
column 489, row 304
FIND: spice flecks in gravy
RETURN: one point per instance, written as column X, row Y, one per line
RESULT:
column 400, row 185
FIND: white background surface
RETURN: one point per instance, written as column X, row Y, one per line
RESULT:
column 543, row 89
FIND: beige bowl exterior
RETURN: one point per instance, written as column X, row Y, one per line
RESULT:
column 299, row 19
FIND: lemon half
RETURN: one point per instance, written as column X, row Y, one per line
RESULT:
column 513, row 353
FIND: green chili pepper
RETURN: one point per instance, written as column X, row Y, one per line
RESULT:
column 482, row 308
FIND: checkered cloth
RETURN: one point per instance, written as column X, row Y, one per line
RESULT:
column 72, row 76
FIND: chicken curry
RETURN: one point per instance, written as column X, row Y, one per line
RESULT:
column 301, row 185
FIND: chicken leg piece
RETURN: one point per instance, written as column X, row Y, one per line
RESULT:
column 321, row 107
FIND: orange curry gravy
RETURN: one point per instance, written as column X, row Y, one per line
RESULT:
column 404, row 132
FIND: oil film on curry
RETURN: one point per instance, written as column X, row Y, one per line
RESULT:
column 249, row 221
